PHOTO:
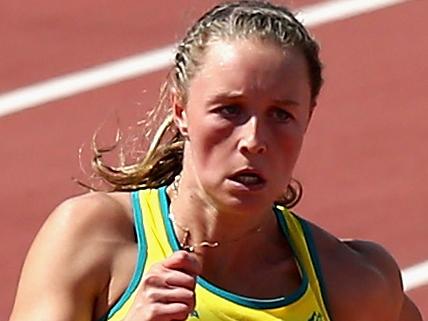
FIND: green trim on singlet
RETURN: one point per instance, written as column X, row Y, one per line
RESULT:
column 141, row 257
column 236, row 298
column 315, row 261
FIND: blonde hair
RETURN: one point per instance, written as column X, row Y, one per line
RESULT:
column 227, row 21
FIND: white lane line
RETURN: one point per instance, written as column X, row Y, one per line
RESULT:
column 85, row 80
column 415, row 276
column 144, row 63
column 321, row 13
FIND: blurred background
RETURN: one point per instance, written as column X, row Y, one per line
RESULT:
column 66, row 71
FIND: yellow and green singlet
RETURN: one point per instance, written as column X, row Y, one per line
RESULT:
column 157, row 241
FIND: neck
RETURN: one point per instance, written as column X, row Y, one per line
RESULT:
column 219, row 236
column 205, row 222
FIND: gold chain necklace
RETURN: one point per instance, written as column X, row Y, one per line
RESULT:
column 184, row 243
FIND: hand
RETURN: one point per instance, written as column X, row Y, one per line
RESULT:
column 167, row 290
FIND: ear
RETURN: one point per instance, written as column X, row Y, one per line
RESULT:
column 311, row 112
column 179, row 113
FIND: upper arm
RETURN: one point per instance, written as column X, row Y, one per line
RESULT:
column 409, row 311
column 388, row 301
column 65, row 268
column 363, row 281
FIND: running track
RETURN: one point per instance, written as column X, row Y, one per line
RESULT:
column 364, row 163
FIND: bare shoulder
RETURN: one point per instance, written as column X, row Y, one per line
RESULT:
column 363, row 280
column 94, row 213
column 88, row 222
column 71, row 257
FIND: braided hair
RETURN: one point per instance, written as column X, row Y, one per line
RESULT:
column 227, row 21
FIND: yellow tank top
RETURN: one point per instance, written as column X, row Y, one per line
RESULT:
column 157, row 240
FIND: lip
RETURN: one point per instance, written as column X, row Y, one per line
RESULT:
column 249, row 170
column 246, row 187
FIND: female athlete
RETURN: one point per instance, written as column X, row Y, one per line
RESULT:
column 201, row 228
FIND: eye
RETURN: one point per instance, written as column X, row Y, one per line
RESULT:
column 228, row 111
column 280, row 115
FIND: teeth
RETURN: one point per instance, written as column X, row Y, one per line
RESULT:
column 248, row 179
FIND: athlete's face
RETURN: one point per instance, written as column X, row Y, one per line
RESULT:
column 247, row 111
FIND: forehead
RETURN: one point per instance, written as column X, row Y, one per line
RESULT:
column 251, row 64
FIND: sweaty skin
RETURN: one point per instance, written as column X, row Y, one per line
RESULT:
column 248, row 109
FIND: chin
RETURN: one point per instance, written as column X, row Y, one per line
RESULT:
column 244, row 203
column 230, row 197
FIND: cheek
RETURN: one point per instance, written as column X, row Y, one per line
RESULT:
column 287, row 146
column 210, row 141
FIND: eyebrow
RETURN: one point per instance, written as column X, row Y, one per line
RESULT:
column 227, row 95
column 286, row 102
column 239, row 95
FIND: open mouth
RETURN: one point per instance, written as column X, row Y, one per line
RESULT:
column 248, row 178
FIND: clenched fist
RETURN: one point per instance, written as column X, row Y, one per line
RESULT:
column 167, row 290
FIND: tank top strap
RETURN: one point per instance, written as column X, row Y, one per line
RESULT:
column 300, row 235
column 119, row 310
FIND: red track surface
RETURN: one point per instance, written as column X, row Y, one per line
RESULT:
column 364, row 165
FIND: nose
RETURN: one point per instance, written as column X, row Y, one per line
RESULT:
column 252, row 138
